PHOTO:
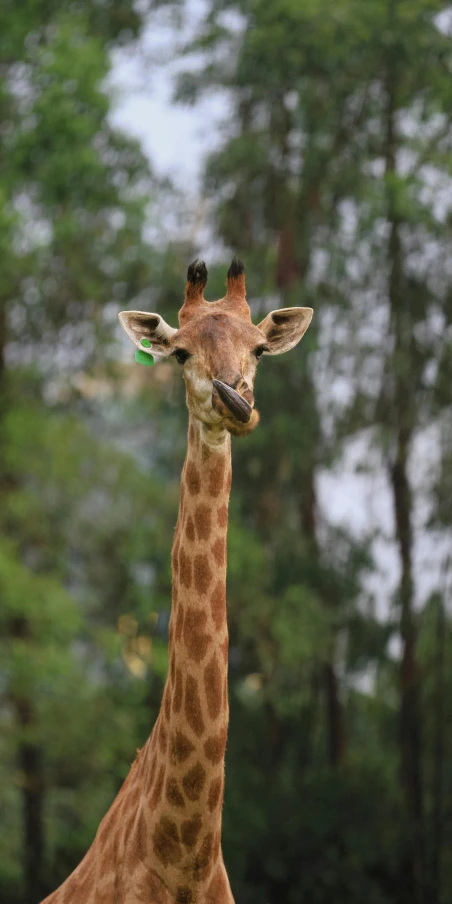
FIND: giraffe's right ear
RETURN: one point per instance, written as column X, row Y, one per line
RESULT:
column 151, row 327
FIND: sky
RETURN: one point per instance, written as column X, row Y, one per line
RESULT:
column 174, row 137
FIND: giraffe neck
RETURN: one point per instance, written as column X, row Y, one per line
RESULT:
column 185, row 783
column 161, row 839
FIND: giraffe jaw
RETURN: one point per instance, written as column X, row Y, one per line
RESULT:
column 235, row 428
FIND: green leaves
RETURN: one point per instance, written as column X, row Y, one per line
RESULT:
column 334, row 176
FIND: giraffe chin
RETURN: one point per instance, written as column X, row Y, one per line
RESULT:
column 236, row 428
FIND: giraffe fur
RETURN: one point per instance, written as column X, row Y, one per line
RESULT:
column 160, row 841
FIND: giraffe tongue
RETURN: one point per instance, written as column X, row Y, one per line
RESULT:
column 237, row 405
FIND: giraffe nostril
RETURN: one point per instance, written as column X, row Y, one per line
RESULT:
column 248, row 395
column 241, row 386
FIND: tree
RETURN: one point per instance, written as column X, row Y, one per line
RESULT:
column 340, row 126
column 73, row 194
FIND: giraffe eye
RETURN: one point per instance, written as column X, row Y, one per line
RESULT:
column 181, row 355
column 259, row 351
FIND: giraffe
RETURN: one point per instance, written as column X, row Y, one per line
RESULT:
column 160, row 841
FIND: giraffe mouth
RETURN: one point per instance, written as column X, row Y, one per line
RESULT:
column 237, row 405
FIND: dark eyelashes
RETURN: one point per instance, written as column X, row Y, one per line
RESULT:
column 181, row 355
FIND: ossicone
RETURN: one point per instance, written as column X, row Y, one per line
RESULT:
column 235, row 279
column 234, row 302
column 197, row 274
column 194, row 290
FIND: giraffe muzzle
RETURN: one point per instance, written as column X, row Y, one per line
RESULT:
column 238, row 406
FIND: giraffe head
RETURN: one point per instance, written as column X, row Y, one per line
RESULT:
column 218, row 348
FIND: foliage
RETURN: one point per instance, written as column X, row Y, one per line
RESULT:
column 333, row 179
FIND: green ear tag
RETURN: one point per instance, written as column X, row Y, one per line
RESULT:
column 143, row 358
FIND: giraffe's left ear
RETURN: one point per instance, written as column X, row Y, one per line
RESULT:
column 284, row 328
column 139, row 325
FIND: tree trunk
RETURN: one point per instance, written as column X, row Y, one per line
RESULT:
column 334, row 718
column 413, row 871
column 29, row 759
column 30, row 765
column 438, row 759
column 334, row 712
column 2, row 339
column 410, row 711
column 288, row 270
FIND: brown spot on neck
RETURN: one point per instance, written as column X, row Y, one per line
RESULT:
column 192, row 479
column 195, row 638
column 193, row 782
column 190, row 830
column 202, row 573
column 215, row 793
column 166, row 844
column 193, row 711
column 213, row 686
column 181, row 747
column 215, row 746
column 203, row 518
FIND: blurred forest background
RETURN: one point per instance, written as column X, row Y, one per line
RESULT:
column 332, row 177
